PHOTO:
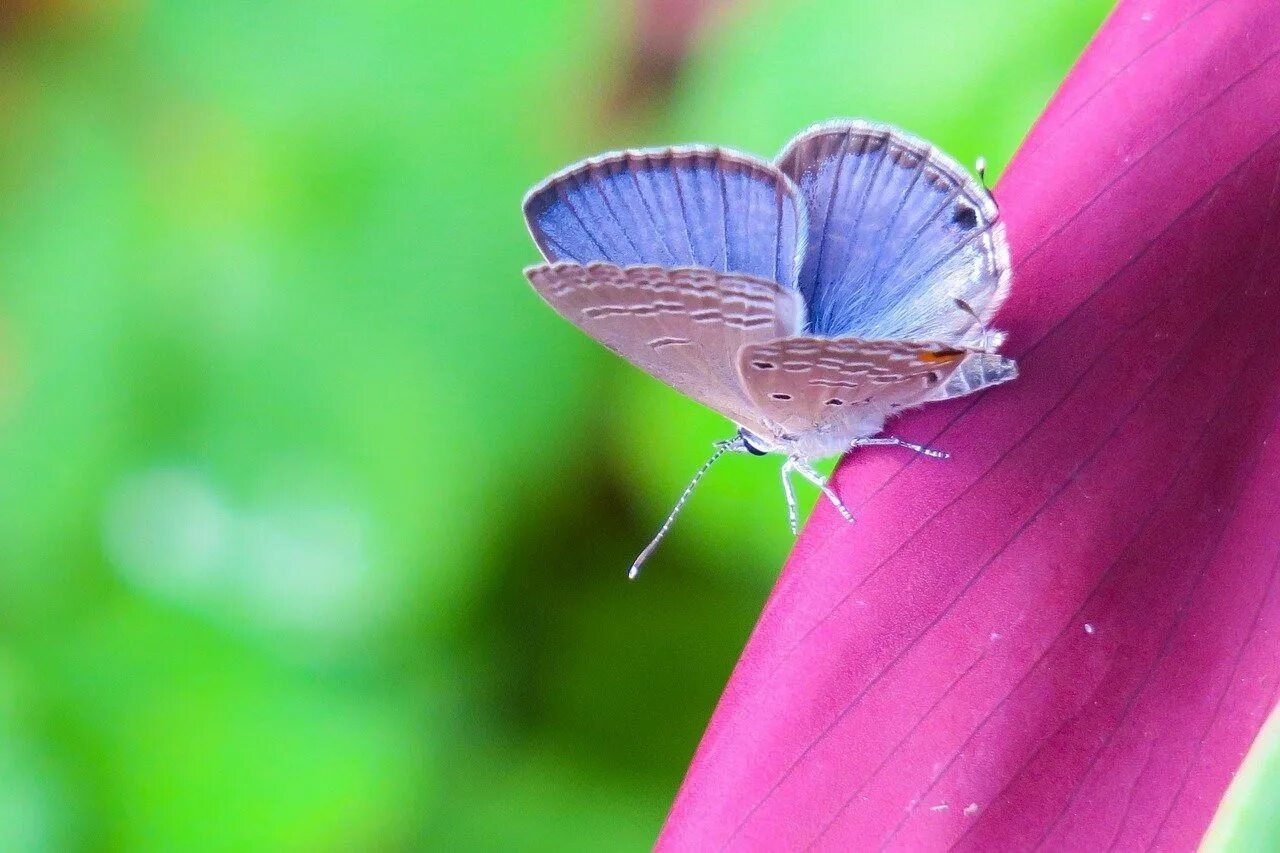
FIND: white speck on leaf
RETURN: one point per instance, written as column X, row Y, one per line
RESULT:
column 1088, row 628
column 971, row 809
column 994, row 636
column 940, row 807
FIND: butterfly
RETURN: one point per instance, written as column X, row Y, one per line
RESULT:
column 808, row 299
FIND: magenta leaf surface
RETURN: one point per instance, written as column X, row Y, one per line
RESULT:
column 1066, row 636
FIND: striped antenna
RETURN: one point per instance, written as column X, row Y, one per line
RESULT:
column 721, row 447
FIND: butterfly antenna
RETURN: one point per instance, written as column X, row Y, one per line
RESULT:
column 721, row 447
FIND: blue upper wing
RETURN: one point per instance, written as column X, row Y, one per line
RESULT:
column 674, row 207
column 901, row 237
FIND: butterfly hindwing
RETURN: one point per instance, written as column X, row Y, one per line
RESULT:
column 837, row 387
column 898, row 232
column 683, row 326
column 978, row 371
column 673, row 207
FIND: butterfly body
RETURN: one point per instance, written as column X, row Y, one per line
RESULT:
column 808, row 300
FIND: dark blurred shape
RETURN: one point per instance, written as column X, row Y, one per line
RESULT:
column 662, row 38
column 15, row 14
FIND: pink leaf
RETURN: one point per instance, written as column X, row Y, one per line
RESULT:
column 1066, row 635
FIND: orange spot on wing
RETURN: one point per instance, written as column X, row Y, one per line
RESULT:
column 942, row 356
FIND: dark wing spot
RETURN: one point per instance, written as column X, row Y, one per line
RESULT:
column 780, row 396
column 764, row 365
column 965, row 216
column 834, row 401
column 932, row 377
column 904, row 157
column 934, row 177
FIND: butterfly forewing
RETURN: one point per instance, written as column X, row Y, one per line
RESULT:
column 674, row 207
column 898, row 232
column 839, row 388
column 683, row 326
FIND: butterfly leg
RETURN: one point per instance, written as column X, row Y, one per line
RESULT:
column 890, row 440
column 806, row 471
column 790, row 494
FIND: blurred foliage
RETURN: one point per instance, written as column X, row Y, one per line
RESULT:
column 314, row 520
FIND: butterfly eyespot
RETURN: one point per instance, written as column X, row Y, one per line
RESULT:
column 780, row 396
column 835, row 402
column 965, row 216
column 763, row 365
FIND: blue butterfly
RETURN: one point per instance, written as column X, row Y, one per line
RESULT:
column 808, row 299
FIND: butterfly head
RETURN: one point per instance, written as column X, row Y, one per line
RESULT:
column 787, row 444
column 810, row 444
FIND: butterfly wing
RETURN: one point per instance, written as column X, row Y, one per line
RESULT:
column 683, row 326
column 826, row 392
column 978, row 371
column 673, row 207
column 898, row 231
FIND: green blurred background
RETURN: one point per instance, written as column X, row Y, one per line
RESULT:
column 313, row 519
